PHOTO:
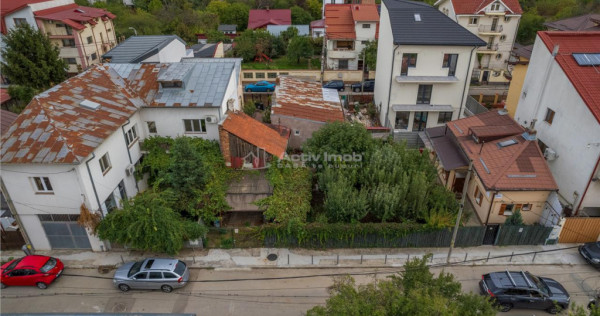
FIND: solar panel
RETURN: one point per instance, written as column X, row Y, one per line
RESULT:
column 588, row 59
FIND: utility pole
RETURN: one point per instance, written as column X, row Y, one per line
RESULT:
column 460, row 211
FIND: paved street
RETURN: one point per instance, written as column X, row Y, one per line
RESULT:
column 248, row 291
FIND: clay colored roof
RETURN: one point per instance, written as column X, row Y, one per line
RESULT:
column 585, row 79
column 262, row 18
column 515, row 167
column 4, row 96
column 305, row 99
column 317, row 24
column 55, row 128
column 7, row 118
column 587, row 22
column 340, row 19
column 256, row 133
column 477, row 6
column 10, row 6
column 74, row 15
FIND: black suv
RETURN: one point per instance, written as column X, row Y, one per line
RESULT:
column 591, row 252
column 367, row 86
column 335, row 84
column 510, row 289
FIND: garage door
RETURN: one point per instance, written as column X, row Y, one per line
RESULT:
column 63, row 231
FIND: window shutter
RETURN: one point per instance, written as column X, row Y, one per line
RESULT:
column 502, row 208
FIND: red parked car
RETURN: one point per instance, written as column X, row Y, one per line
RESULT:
column 31, row 270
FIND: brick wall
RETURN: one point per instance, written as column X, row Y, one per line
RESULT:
column 225, row 149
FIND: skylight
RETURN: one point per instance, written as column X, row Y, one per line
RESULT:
column 507, row 143
column 417, row 17
column 91, row 105
column 588, row 59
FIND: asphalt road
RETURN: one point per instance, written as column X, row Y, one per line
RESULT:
column 247, row 292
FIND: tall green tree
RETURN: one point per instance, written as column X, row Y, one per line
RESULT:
column 314, row 7
column 369, row 54
column 149, row 223
column 31, row 60
column 300, row 16
column 413, row 292
column 530, row 23
column 338, row 138
column 300, row 47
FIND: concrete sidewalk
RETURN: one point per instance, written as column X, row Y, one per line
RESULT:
column 294, row 258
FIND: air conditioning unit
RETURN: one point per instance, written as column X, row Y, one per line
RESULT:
column 550, row 154
column 211, row 119
column 130, row 170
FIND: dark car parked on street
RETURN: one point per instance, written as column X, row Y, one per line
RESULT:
column 510, row 289
column 335, row 84
column 365, row 86
column 591, row 253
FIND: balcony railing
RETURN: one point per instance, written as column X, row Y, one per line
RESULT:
column 489, row 48
column 490, row 28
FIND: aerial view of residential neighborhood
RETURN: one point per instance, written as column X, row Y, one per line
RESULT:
column 300, row 157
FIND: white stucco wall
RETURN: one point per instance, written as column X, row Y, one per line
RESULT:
column 169, row 121
column 385, row 49
column 172, row 53
column 572, row 129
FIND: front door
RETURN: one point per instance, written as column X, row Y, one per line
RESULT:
column 420, row 121
column 459, row 183
column 490, row 234
column 494, row 24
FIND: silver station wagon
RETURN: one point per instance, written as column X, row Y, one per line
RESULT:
column 152, row 274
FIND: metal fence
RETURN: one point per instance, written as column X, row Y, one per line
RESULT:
column 522, row 235
column 472, row 107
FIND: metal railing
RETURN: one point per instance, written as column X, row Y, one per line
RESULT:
column 490, row 28
column 492, row 47
column 472, row 107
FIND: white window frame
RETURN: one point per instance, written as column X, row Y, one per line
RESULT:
column 193, row 130
column 297, row 132
column 474, row 20
column 105, row 164
column 131, row 135
column 43, row 186
column 366, row 25
column 495, row 6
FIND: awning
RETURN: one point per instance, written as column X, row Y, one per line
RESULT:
column 426, row 79
column 422, row 108
column 446, row 149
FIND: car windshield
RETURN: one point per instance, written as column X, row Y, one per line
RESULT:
column 539, row 283
column 51, row 263
column 180, row 268
column 135, row 268
column 13, row 265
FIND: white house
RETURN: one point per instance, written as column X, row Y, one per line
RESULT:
column 560, row 100
column 424, row 63
column 78, row 142
column 149, row 49
column 494, row 21
column 348, row 29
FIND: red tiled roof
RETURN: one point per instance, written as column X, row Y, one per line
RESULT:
column 585, row 79
column 477, row 6
column 73, row 15
column 262, row 18
column 256, row 133
column 54, row 128
column 7, row 118
column 340, row 19
column 317, row 24
column 4, row 96
column 304, row 99
column 10, row 6
column 515, row 167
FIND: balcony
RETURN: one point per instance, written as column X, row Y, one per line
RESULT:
column 343, row 54
column 488, row 11
column 489, row 49
column 490, row 29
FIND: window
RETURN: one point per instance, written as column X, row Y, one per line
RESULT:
column 171, row 84
column 502, row 38
column 169, row 275
column 402, row 120
column 424, row 94
column 68, row 42
column 131, row 135
column 271, row 75
column 408, row 61
column 366, row 26
column 195, row 126
column 155, row 275
column 248, row 75
column 507, row 19
column 70, row 61
column 526, row 207
column 141, row 276
column 450, row 63
column 260, row 75
column 151, row 127
column 105, row 163
column 297, row 132
column 42, row 184
column 549, row 116
column 495, row 6
column 94, row 56
column 364, row 42
column 498, row 56
column 90, row 40
column 473, row 20
column 60, row 25
column 20, row 21
column 478, row 196
column 344, row 45
column 343, row 64
column 444, row 117
column 506, row 209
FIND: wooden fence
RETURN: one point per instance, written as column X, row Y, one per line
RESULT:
column 580, row 229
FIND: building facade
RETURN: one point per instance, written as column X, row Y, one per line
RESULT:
column 494, row 21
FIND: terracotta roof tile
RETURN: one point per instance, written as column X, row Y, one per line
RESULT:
column 585, row 79
column 256, row 133
column 304, row 99
column 73, row 15
column 476, row 6
column 4, row 96
column 262, row 18
column 520, row 166
column 7, row 119
column 364, row 12
column 54, row 128
column 339, row 23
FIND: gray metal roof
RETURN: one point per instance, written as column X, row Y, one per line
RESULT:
column 275, row 30
column 434, row 27
column 227, row 28
column 137, row 48
column 204, row 50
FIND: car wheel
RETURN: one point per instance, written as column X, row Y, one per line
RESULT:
column 166, row 288
column 124, row 287
column 505, row 307
column 42, row 285
column 356, row 89
column 2, row 285
column 554, row 309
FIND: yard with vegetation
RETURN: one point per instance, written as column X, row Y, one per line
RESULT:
column 283, row 63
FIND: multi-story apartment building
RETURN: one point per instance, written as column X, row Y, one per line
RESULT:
column 348, row 29
column 424, row 65
column 494, row 21
column 83, row 34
